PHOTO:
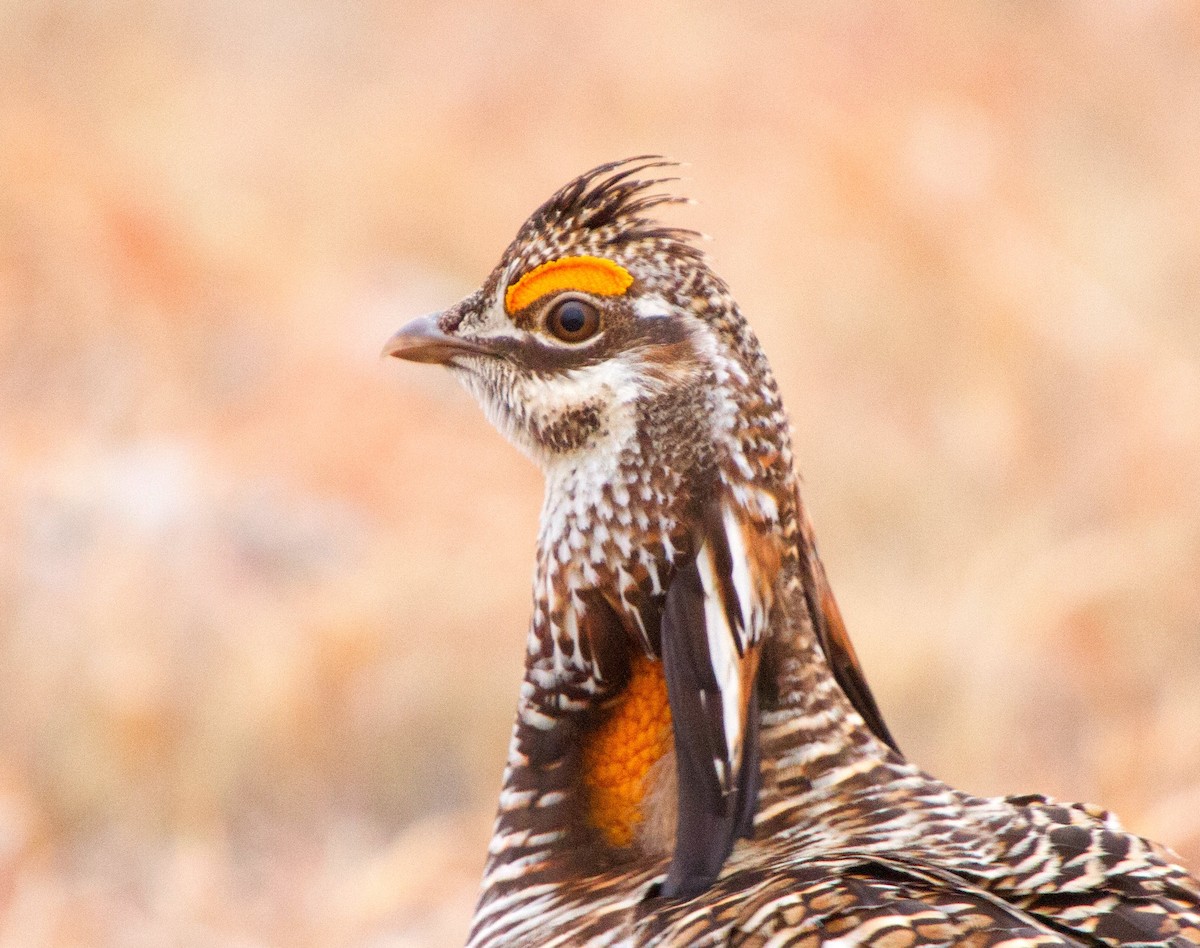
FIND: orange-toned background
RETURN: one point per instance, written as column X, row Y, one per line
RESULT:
column 263, row 596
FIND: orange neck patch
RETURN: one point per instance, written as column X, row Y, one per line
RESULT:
column 618, row 754
column 593, row 275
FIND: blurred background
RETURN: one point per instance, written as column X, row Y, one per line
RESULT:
column 263, row 595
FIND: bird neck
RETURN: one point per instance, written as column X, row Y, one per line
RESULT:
column 808, row 720
column 615, row 524
column 548, row 828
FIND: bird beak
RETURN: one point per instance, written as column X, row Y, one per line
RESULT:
column 422, row 340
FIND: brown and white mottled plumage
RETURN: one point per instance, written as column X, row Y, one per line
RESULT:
column 673, row 545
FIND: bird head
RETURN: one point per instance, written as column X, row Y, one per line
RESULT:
column 594, row 312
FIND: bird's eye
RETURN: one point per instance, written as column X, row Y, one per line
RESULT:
column 573, row 320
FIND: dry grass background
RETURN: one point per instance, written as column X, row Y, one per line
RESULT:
column 262, row 596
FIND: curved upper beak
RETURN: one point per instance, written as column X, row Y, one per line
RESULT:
column 422, row 340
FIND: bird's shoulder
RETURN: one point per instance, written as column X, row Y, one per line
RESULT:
column 1074, row 864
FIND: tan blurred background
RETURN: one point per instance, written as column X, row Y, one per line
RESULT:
column 263, row 596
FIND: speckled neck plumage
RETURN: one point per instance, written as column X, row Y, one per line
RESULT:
column 770, row 804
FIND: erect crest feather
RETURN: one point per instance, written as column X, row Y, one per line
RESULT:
column 606, row 207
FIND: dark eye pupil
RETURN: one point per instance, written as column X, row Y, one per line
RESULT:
column 572, row 316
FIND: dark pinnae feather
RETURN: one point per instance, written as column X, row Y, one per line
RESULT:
column 707, row 822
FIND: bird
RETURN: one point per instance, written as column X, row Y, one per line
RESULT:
column 697, row 758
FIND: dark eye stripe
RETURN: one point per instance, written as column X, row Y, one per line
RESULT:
column 536, row 353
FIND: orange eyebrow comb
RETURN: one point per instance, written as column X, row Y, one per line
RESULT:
column 594, row 275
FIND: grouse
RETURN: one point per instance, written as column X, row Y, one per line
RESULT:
column 697, row 757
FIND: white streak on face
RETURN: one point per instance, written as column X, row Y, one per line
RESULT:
column 651, row 306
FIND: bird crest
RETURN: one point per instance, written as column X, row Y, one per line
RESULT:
column 606, row 207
